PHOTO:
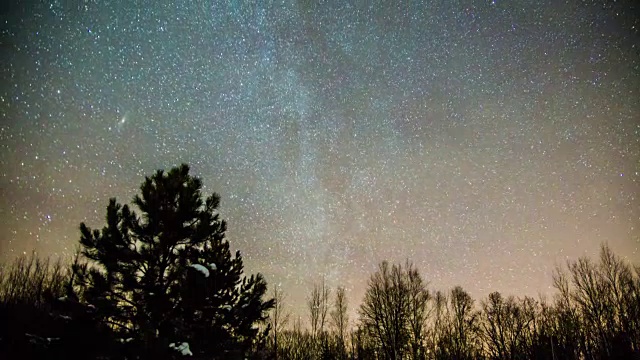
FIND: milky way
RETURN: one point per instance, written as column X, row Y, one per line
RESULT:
column 486, row 141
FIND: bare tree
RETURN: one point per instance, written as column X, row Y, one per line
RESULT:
column 505, row 326
column 325, row 292
column 279, row 318
column 631, row 284
column 617, row 278
column 605, row 296
column 493, row 325
column 589, row 293
column 340, row 318
column 458, row 327
column 32, row 280
column 437, row 331
column 418, row 311
column 318, row 304
column 385, row 312
column 313, row 303
column 567, row 327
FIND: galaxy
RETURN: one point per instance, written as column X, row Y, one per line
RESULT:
column 485, row 141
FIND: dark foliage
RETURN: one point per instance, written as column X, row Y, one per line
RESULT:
column 167, row 276
column 39, row 321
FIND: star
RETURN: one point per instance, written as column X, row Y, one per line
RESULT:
column 486, row 142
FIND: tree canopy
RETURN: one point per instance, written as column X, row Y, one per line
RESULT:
column 166, row 276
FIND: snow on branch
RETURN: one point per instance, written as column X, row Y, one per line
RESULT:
column 182, row 348
column 201, row 268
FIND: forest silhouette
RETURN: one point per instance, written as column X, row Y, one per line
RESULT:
column 159, row 281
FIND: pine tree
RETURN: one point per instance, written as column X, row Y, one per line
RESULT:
column 167, row 277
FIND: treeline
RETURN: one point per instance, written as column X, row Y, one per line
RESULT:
column 160, row 282
column 595, row 314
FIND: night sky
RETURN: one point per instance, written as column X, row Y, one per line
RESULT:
column 486, row 141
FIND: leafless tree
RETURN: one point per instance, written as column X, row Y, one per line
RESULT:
column 437, row 327
column 631, row 299
column 313, row 303
column 339, row 317
column 386, row 311
column 279, row 318
column 617, row 278
column 567, row 321
column 461, row 326
column 589, row 293
column 606, row 298
column 325, row 293
column 318, row 304
column 31, row 280
column 418, row 311
column 465, row 322
column 505, row 326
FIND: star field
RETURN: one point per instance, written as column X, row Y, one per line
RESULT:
column 486, row 141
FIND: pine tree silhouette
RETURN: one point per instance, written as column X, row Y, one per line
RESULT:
column 167, row 276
